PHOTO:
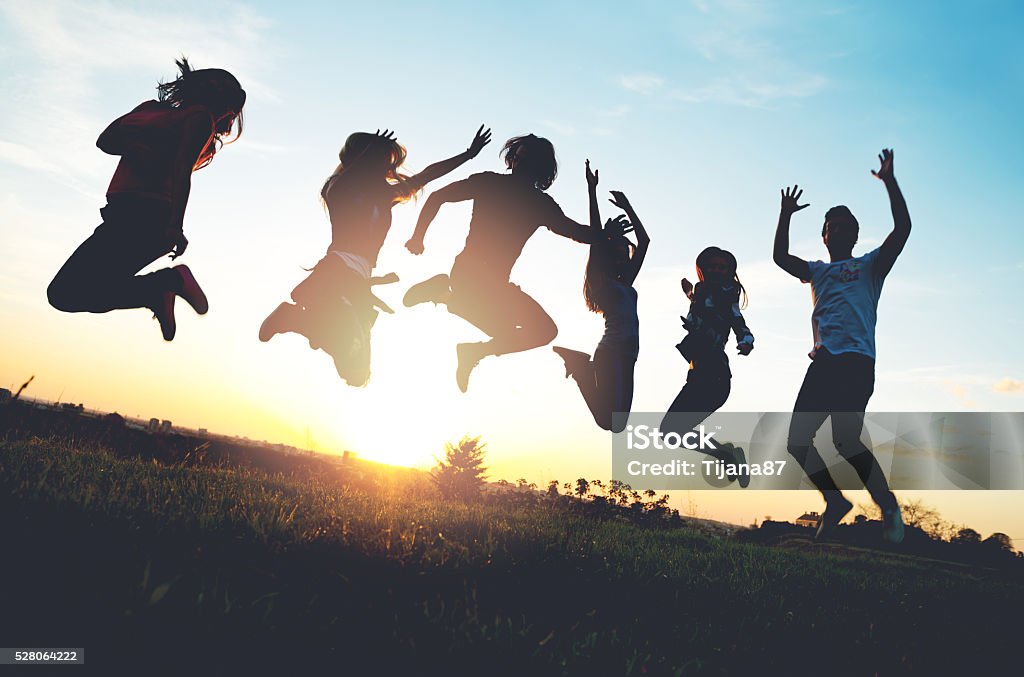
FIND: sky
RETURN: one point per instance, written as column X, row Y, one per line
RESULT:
column 700, row 111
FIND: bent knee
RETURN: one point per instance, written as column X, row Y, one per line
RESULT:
column 547, row 332
column 797, row 451
column 62, row 297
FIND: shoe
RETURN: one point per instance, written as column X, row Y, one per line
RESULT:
column 835, row 511
column 467, row 362
column 892, row 526
column 574, row 359
column 740, row 460
column 163, row 312
column 435, row 289
column 191, row 291
column 273, row 325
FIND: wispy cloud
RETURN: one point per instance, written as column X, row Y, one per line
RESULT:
column 644, row 83
column 740, row 60
column 1009, row 386
column 66, row 50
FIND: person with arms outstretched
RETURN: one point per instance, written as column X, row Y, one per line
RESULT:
column 841, row 378
column 715, row 311
column 160, row 144
column 507, row 210
column 606, row 382
column 334, row 307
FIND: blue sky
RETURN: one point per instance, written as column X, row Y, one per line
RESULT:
column 699, row 111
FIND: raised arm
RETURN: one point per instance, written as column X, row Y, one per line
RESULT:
column 643, row 241
column 595, row 210
column 458, row 191
column 896, row 240
column 439, row 169
column 793, row 265
column 566, row 227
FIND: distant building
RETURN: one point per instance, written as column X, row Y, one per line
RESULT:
column 154, row 425
column 165, row 426
column 5, row 395
column 808, row 519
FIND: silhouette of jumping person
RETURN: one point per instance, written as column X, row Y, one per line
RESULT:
column 507, row 210
column 715, row 310
column 160, row 143
column 334, row 307
column 606, row 382
column 841, row 377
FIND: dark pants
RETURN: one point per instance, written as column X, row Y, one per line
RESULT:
column 606, row 382
column 837, row 386
column 101, row 274
column 500, row 309
column 707, row 387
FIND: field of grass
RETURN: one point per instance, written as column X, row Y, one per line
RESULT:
column 156, row 568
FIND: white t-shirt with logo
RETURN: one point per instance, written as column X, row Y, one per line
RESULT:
column 845, row 296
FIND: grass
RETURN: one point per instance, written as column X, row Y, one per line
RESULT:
column 225, row 571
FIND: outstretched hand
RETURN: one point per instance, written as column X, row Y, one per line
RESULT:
column 481, row 139
column 885, row 166
column 618, row 226
column 790, row 197
column 591, row 176
column 619, row 200
column 386, row 134
column 415, row 246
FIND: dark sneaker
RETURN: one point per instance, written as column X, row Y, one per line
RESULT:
column 163, row 311
column 467, row 362
column 892, row 526
column 274, row 324
column 574, row 359
column 436, row 289
column 740, row 460
column 835, row 510
column 191, row 291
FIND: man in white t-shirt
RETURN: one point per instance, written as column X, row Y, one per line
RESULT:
column 841, row 378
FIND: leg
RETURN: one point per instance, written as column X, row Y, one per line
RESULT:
column 514, row 320
column 858, row 376
column 100, row 275
column 809, row 413
column 705, row 391
column 607, row 384
column 812, row 407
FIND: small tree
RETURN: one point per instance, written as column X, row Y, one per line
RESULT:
column 461, row 473
column 966, row 536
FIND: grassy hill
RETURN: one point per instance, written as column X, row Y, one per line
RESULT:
column 221, row 571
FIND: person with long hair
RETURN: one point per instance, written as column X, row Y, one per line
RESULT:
column 715, row 311
column 841, row 377
column 334, row 307
column 160, row 143
column 507, row 210
column 606, row 381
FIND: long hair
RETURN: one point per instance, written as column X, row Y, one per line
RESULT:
column 601, row 269
column 363, row 145
column 538, row 159
column 217, row 90
column 714, row 252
